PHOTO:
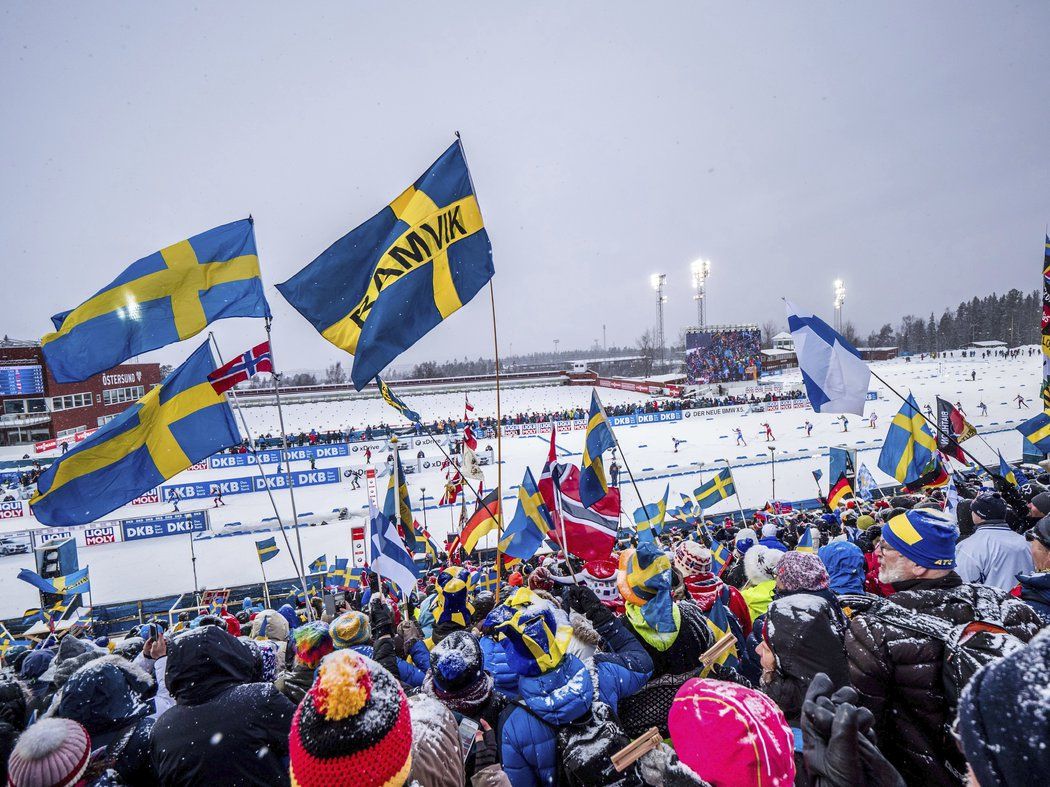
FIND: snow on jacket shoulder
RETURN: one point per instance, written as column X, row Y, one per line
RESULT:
column 562, row 695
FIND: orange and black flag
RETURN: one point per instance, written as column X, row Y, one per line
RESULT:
column 839, row 492
column 484, row 521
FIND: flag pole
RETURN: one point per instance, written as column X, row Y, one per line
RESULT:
column 193, row 562
column 299, row 573
column 561, row 519
column 935, row 425
column 288, row 473
column 266, row 586
column 619, row 448
column 499, row 446
column 736, row 493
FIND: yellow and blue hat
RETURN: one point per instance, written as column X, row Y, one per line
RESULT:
column 533, row 641
column 452, row 604
column 924, row 536
column 645, row 581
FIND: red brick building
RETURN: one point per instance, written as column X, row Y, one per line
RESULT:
column 34, row 407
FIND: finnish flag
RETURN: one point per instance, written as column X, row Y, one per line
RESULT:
column 835, row 376
column 389, row 557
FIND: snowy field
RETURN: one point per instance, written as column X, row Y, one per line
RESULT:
column 161, row 566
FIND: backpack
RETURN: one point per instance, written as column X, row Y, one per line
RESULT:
column 967, row 647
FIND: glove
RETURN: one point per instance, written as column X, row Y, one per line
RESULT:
column 838, row 742
column 380, row 618
column 410, row 632
column 486, row 747
column 583, row 600
column 730, row 675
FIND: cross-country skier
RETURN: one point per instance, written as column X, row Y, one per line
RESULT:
column 809, row 428
column 769, row 432
column 740, row 437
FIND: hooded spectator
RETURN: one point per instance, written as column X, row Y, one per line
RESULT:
column 846, row 567
column 437, row 756
column 14, row 705
column 769, row 538
column 709, row 721
column 287, row 611
column 352, row 727
column 734, row 574
column 50, row 752
column 72, row 654
column 34, row 666
column 693, row 562
column 271, row 626
column 994, row 555
column 107, row 696
column 898, row 675
column 760, row 565
column 312, row 643
column 224, row 729
column 1003, row 721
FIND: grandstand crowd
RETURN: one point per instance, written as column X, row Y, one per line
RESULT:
column 893, row 641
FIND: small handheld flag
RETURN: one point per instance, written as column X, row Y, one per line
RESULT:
column 1037, row 432
column 484, row 521
column 319, row 565
column 246, row 365
column 395, row 401
column 70, row 584
column 716, row 490
column 389, row 558
column 593, row 483
column 267, row 549
column 649, row 519
column 531, row 523
column 909, row 445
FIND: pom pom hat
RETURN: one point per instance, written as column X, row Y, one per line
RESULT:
column 691, row 558
column 50, row 753
column 923, row 536
column 352, row 727
column 312, row 643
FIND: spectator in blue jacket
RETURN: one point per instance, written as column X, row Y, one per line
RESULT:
column 846, row 567
column 352, row 630
column 556, row 687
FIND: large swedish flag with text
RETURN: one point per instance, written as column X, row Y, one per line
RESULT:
column 380, row 288
column 175, row 425
column 164, row 298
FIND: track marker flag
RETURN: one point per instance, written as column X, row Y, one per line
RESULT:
column 169, row 296
column 384, row 285
column 593, row 483
column 836, row 378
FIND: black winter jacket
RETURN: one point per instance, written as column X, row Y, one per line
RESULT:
column 223, row 729
column 898, row 673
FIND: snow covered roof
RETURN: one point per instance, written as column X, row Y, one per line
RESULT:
column 782, row 335
column 993, row 343
column 777, row 352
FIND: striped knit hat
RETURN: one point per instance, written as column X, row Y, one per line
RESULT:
column 312, row 642
column 50, row 753
column 691, row 558
column 352, row 727
column 349, row 629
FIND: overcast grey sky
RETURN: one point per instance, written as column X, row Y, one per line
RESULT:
column 901, row 146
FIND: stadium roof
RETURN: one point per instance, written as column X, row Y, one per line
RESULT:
column 9, row 342
column 777, row 352
column 993, row 343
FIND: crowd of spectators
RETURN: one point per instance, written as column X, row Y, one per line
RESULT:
column 726, row 358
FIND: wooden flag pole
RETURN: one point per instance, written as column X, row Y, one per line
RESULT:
column 266, row 586
column 499, row 446
column 300, row 574
column 626, row 465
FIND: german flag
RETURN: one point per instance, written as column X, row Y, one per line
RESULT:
column 933, row 476
column 484, row 520
column 839, row 492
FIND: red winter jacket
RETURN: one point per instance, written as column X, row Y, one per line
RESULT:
column 871, row 577
column 704, row 588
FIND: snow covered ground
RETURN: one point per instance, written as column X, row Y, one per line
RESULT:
column 160, row 566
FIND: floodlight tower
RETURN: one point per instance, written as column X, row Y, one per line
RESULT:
column 840, row 298
column 657, row 281
column 701, row 269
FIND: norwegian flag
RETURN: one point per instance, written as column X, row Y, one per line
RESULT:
column 590, row 533
column 469, row 440
column 468, row 408
column 258, row 359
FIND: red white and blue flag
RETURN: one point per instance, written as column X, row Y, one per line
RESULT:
column 245, row 365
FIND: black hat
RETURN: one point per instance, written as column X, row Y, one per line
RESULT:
column 1041, row 532
column 988, row 506
column 1042, row 503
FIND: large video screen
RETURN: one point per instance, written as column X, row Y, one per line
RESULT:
column 722, row 356
column 21, row 380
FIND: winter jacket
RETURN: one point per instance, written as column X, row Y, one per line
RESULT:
column 287, row 612
column 223, row 728
column 14, row 699
column 425, row 618
column 758, row 597
column 505, row 679
column 563, row 694
column 846, row 566
column 106, row 696
column 994, row 555
column 295, row 682
column 683, row 655
column 773, row 543
column 408, row 673
column 898, row 674
column 1034, row 590
column 806, row 638
column 705, row 588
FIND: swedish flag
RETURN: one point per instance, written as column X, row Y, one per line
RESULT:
column 69, row 585
column 395, row 401
column 909, row 445
column 319, row 565
column 531, row 523
column 716, row 490
column 175, row 425
column 593, row 483
column 379, row 289
column 1037, row 432
column 649, row 519
column 267, row 549
column 164, row 298
column 415, row 541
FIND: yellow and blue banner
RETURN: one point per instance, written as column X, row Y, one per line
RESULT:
column 531, row 523
column 383, row 286
column 1037, row 432
column 267, row 549
column 69, row 585
column 404, row 518
column 716, row 490
column 909, row 445
column 171, row 295
column 593, row 483
column 319, row 565
column 175, row 425
column 396, row 401
column 649, row 519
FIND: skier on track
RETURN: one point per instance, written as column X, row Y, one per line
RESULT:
column 809, row 428
column 1021, row 402
column 983, row 408
column 769, row 432
column 740, row 437
column 677, row 443
column 872, row 419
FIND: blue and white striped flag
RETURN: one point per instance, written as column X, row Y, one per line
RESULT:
column 389, row 557
column 835, row 376
column 865, row 483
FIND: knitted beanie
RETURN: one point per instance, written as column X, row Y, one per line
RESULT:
column 349, row 629
column 51, row 753
column 312, row 643
column 692, row 558
column 352, row 727
column 924, row 537
column 801, row 571
column 457, row 663
column 864, row 521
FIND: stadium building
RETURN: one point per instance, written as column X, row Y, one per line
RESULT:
column 34, row 408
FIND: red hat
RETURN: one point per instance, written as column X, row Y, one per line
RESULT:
column 352, row 727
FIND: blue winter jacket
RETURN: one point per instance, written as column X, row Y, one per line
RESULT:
column 408, row 673
column 505, row 680
column 846, row 566
column 773, row 543
column 562, row 695
column 1035, row 592
column 426, row 616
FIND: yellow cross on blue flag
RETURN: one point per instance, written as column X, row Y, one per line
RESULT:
column 531, row 523
column 267, row 549
column 396, row 401
column 909, row 446
column 1037, row 432
column 175, row 425
column 717, row 489
column 383, row 286
column 649, row 519
column 164, row 298
column 593, row 483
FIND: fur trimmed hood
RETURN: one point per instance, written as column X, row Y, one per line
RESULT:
column 760, row 564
